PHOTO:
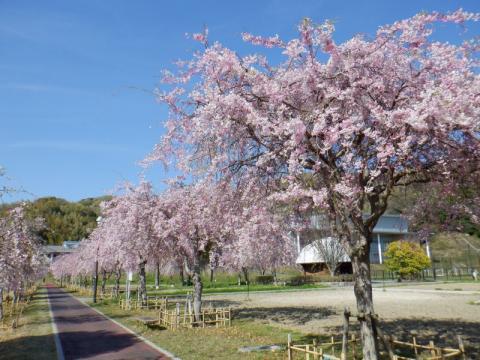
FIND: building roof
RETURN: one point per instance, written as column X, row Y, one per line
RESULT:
column 67, row 247
column 391, row 224
column 310, row 254
column 56, row 249
column 387, row 224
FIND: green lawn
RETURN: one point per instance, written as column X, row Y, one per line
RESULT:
column 210, row 343
column 232, row 289
column 33, row 338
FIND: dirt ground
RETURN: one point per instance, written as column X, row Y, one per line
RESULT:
column 436, row 312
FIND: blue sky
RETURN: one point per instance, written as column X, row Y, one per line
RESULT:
column 76, row 109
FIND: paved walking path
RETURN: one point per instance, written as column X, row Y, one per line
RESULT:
column 86, row 334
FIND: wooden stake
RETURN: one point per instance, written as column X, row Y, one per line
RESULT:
column 461, row 347
column 289, row 347
column 432, row 348
column 346, row 319
column 415, row 346
column 354, row 342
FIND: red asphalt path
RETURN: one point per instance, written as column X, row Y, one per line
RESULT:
column 86, row 334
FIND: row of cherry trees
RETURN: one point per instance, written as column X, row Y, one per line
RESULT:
column 335, row 127
column 187, row 225
column 21, row 259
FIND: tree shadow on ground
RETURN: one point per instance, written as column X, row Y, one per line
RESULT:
column 28, row 347
column 219, row 303
column 286, row 315
column 443, row 332
column 80, row 344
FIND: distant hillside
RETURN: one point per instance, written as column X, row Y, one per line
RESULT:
column 456, row 249
column 64, row 220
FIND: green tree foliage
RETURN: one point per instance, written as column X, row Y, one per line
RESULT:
column 406, row 258
column 64, row 220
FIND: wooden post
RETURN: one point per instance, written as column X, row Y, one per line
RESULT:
column 333, row 346
column 386, row 342
column 432, row 348
column 289, row 347
column 177, row 315
column 346, row 319
column 441, row 353
column 461, row 347
column 315, row 349
column 307, row 354
column 354, row 345
column 414, row 341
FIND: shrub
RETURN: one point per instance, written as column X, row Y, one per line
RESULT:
column 263, row 279
column 406, row 258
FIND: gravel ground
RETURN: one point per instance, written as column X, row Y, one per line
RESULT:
column 436, row 312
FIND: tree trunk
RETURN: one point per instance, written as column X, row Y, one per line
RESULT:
column 211, row 274
column 157, row 275
column 104, row 281
column 1, row 303
column 143, row 283
column 197, row 286
column 95, row 282
column 118, row 275
column 363, row 294
column 245, row 275
column 182, row 275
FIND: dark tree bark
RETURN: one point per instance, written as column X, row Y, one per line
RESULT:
column 182, row 275
column 95, row 281
column 363, row 294
column 118, row 275
column 143, row 283
column 245, row 274
column 1, row 303
column 157, row 275
column 197, row 284
column 104, row 281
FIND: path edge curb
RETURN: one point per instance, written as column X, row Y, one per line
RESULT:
column 58, row 343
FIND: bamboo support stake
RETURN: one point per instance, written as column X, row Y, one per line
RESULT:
column 414, row 341
column 307, row 352
column 461, row 347
column 177, row 315
column 315, row 349
column 333, row 346
column 387, row 341
column 289, row 347
column 354, row 342
column 346, row 319
column 432, row 347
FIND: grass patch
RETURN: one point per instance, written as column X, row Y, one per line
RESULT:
column 235, row 289
column 210, row 343
column 33, row 338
